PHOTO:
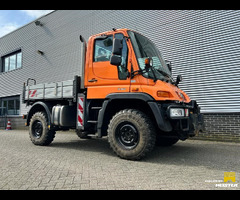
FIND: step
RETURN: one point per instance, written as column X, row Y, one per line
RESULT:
column 96, row 108
column 92, row 121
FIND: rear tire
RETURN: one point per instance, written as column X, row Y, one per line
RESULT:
column 38, row 130
column 131, row 134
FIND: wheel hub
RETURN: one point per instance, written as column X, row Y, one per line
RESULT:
column 37, row 129
column 127, row 135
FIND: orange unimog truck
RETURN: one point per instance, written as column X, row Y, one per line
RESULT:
column 125, row 92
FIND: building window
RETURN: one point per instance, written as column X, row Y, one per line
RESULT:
column 10, row 105
column 12, row 61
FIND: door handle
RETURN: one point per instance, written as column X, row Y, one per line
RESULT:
column 92, row 80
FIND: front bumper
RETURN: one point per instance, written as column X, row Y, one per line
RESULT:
column 187, row 125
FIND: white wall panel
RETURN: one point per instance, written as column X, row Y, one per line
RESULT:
column 204, row 46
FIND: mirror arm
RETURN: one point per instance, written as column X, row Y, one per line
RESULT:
column 137, row 72
column 178, row 80
column 155, row 78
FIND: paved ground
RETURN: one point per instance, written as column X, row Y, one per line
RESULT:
column 73, row 163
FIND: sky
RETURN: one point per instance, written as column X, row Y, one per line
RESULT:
column 10, row 20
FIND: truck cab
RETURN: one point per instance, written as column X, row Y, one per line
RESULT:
column 130, row 74
column 125, row 92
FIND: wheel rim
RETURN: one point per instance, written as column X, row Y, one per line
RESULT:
column 127, row 135
column 37, row 129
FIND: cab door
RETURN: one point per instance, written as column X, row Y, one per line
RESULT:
column 105, row 78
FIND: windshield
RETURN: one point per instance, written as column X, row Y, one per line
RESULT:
column 143, row 49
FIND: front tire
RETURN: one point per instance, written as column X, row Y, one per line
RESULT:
column 131, row 134
column 38, row 130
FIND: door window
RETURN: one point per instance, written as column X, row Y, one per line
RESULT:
column 103, row 49
column 102, row 53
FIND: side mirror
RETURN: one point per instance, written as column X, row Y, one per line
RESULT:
column 169, row 65
column 117, row 47
column 179, row 79
column 116, row 57
column 115, row 60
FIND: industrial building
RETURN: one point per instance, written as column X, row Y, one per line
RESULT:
column 203, row 46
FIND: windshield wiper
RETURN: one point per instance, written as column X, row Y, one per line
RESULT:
column 143, row 71
column 165, row 74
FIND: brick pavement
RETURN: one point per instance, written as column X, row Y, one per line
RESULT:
column 70, row 163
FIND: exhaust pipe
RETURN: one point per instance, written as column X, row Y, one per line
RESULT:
column 83, row 57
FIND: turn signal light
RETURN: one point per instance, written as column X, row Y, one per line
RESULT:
column 147, row 61
column 164, row 94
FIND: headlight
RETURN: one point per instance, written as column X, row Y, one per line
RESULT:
column 179, row 112
column 176, row 112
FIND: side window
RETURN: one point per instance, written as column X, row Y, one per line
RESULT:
column 11, row 61
column 10, row 105
column 103, row 49
column 122, row 69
